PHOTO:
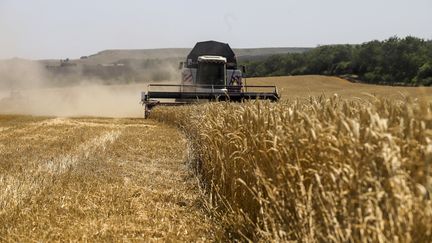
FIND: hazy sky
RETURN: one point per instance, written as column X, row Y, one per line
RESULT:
column 58, row 29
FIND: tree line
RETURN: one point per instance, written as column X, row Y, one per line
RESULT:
column 406, row 61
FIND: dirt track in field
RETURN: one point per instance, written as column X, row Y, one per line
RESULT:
column 96, row 179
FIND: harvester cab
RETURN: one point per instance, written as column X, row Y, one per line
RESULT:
column 210, row 73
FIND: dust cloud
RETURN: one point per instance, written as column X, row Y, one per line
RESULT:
column 81, row 87
column 21, row 74
column 84, row 100
column 25, row 88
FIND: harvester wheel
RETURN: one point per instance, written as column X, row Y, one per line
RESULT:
column 146, row 112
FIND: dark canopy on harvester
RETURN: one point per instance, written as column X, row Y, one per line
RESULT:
column 212, row 48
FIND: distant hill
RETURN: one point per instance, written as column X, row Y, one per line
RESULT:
column 113, row 66
column 111, row 56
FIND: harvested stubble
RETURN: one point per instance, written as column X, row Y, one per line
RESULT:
column 321, row 169
column 96, row 180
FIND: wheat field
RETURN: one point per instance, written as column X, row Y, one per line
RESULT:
column 319, row 168
column 332, row 161
column 96, row 179
column 292, row 87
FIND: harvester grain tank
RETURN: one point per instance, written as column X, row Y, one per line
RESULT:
column 210, row 73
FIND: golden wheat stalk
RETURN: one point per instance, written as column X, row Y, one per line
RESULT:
column 321, row 169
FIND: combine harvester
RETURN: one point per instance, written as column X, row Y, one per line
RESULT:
column 210, row 73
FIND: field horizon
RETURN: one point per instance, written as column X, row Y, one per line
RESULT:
column 119, row 100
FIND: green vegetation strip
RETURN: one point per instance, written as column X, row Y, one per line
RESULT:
column 395, row 61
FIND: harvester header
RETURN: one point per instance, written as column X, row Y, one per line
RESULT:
column 210, row 73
